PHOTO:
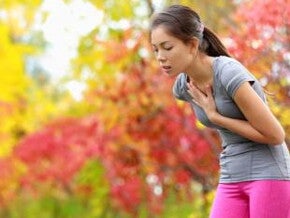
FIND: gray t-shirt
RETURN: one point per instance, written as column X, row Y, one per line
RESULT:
column 241, row 158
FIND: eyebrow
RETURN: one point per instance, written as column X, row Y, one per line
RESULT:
column 162, row 43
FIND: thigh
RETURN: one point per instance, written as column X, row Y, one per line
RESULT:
column 270, row 199
column 230, row 202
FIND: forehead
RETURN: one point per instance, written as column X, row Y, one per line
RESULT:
column 160, row 35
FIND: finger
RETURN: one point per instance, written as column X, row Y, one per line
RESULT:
column 193, row 88
column 209, row 91
column 193, row 99
column 195, row 102
column 190, row 93
column 193, row 92
column 190, row 90
column 189, row 85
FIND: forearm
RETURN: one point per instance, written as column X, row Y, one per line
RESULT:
column 260, row 124
column 243, row 128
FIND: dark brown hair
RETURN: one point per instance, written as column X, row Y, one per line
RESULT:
column 184, row 23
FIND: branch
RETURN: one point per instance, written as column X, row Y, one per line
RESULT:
column 150, row 7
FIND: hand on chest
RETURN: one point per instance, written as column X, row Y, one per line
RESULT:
column 224, row 105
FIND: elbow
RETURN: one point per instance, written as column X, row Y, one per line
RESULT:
column 278, row 138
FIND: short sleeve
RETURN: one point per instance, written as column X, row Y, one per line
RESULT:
column 233, row 75
column 180, row 89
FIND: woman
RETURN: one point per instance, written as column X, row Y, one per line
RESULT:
column 255, row 163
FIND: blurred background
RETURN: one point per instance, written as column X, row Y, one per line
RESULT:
column 89, row 127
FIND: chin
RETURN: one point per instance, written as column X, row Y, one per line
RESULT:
column 172, row 74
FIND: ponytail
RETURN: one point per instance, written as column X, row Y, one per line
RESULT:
column 212, row 45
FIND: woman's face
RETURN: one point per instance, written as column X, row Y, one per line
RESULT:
column 173, row 55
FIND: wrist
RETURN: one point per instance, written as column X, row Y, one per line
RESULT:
column 213, row 117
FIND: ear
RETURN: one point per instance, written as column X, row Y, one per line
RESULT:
column 193, row 43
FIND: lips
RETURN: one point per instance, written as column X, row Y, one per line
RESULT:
column 166, row 69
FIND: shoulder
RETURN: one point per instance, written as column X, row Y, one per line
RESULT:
column 230, row 73
column 227, row 69
column 223, row 64
column 180, row 81
column 179, row 88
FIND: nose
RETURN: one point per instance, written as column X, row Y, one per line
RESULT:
column 161, row 57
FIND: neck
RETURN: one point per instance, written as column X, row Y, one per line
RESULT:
column 202, row 73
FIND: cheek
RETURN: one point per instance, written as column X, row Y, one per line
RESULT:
column 182, row 60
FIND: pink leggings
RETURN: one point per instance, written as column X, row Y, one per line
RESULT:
column 253, row 199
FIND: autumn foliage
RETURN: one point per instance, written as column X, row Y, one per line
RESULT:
column 261, row 42
column 128, row 144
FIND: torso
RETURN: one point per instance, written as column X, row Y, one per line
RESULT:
column 241, row 159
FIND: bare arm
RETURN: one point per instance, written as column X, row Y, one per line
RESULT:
column 260, row 124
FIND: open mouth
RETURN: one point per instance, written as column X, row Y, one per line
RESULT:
column 166, row 68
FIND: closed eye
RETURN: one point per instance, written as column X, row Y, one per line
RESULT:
column 169, row 48
column 155, row 50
